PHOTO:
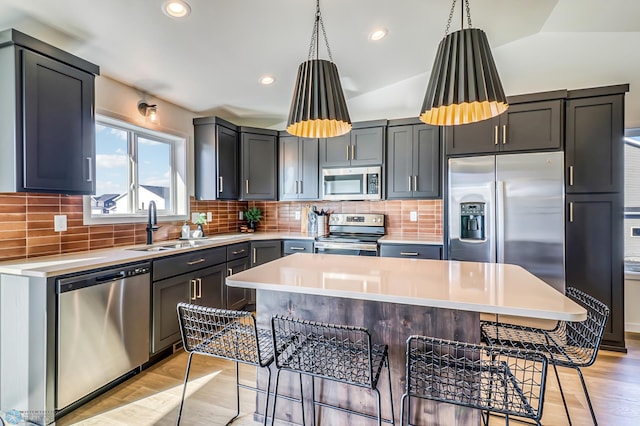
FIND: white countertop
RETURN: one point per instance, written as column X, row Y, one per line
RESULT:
column 409, row 239
column 470, row 286
column 49, row 266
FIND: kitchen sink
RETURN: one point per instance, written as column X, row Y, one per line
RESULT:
column 172, row 246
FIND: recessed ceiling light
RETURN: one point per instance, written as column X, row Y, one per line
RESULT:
column 267, row 80
column 378, row 34
column 176, row 8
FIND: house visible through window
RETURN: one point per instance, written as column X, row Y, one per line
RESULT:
column 135, row 166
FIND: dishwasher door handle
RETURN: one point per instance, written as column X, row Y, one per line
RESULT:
column 112, row 277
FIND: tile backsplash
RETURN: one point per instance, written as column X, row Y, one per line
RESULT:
column 26, row 222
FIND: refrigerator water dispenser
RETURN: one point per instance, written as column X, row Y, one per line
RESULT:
column 472, row 224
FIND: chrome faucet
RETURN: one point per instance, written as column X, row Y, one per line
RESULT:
column 152, row 222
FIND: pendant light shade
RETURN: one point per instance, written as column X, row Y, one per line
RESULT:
column 318, row 108
column 464, row 86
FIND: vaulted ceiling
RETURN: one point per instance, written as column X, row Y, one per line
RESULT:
column 210, row 62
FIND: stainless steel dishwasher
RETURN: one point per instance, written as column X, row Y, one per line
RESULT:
column 103, row 329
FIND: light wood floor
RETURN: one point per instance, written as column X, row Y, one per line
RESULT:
column 152, row 397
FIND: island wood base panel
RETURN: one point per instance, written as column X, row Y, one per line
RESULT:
column 388, row 323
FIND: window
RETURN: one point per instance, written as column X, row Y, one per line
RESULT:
column 632, row 174
column 135, row 166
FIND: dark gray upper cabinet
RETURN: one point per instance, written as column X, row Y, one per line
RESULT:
column 47, row 118
column 216, row 159
column 363, row 146
column 594, row 152
column 258, row 164
column 413, row 161
column 528, row 126
column 298, row 168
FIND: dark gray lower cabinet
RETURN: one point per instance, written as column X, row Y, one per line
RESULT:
column 411, row 251
column 594, row 255
column 209, row 287
column 237, row 297
column 263, row 252
column 297, row 246
column 165, row 329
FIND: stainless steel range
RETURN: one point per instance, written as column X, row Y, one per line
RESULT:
column 351, row 233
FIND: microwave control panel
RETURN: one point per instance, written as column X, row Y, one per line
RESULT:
column 372, row 183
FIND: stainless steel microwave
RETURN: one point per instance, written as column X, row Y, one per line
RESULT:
column 352, row 183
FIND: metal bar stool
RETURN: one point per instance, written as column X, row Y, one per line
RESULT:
column 225, row 334
column 339, row 353
column 493, row 379
column 569, row 344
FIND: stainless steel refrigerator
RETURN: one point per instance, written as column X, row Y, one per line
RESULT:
column 509, row 209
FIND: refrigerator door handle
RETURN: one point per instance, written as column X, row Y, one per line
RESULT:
column 500, row 220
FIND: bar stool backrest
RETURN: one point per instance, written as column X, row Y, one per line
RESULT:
column 498, row 379
column 220, row 332
column 585, row 336
column 336, row 352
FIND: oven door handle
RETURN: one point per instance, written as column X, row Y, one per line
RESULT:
column 349, row 246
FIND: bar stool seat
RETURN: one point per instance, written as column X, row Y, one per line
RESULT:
column 493, row 379
column 225, row 334
column 339, row 353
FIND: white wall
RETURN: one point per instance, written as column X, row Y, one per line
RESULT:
column 117, row 100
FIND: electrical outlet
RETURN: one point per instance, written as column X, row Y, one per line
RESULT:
column 209, row 216
column 60, row 223
column 240, row 215
column 194, row 216
column 297, row 215
column 413, row 216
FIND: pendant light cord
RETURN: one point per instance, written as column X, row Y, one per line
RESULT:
column 314, row 45
column 453, row 6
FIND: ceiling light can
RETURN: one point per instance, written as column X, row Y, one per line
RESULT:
column 379, row 34
column 176, row 8
column 267, row 80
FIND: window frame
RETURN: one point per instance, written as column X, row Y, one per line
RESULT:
column 631, row 138
column 179, row 198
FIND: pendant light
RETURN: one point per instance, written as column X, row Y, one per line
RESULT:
column 464, row 86
column 318, row 107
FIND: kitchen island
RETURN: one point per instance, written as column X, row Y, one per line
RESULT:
column 395, row 298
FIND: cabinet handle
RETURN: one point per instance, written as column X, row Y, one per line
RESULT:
column 415, row 183
column 238, row 251
column 570, row 175
column 246, row 186
column 353, row 152
column 571, row 212
column 220, row 179
column 193, row 289
column 347, row 152
column 229, row 272
column 409, row 177
column 297, row 187
column 195, row 262
column 495, row 135
column 408, row 253
column 90, row 163
column 296, row 248
column 300, row 190
column 199, row 280
column 504, row 134
column 255, row 257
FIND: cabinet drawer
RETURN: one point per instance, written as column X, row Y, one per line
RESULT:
column 411, row 251
column 237, row 251
column 297, row 246
column 183, row 263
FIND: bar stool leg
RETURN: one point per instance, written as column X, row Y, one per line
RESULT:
column 404, row 396
column 184, row 388
column 586, row 394
column 275, row 397
column 393, row 418
column 302, row 402
column 237, row 395
column 266, row 395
